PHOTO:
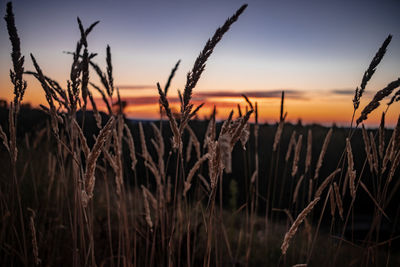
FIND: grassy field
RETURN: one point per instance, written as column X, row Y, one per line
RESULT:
column 81, row 187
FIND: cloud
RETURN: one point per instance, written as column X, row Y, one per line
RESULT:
column 257, row 94
column 218, row 97
column 146, row 100
column 137, row 101
column 342, row 91
column 347, row 91
column 136, row 87
column 153, row 100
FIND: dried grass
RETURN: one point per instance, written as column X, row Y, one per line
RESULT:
column 367, row 146
column 325, row 183
column 34, row 238
column 332, row 200
column 323, row 152
column 375, row 102
column 147, row 208
column 374, row 153
column 195, row 141
column 296, row 190
column 152, row 230
column 89, row 179
column 293, row 229
column 370, row 71
column 309, row 150
column 350, row 168
column 291, row 145
column 278, row 135
column 296, row 158
column 338, row 200
column 196, row 166
column 131, row 146
column 194, row 75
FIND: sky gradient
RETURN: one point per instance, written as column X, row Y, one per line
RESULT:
column 317, row 51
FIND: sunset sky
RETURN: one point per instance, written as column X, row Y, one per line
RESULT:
column 317, row 51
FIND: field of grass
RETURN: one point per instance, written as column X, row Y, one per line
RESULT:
column 80, row 187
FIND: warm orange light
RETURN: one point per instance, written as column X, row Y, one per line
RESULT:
column 315, row 108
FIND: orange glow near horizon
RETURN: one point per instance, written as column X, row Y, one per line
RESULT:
column 316, row 53
column 314, row 108
column 336, row 111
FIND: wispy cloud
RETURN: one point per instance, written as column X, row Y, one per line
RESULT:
column 257, row 94
column 140, row 101
column 146, row 100
column 218, row 97
column 347, row 91
column 136, row 87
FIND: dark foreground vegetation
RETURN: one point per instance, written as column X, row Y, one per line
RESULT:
column 80, row 187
